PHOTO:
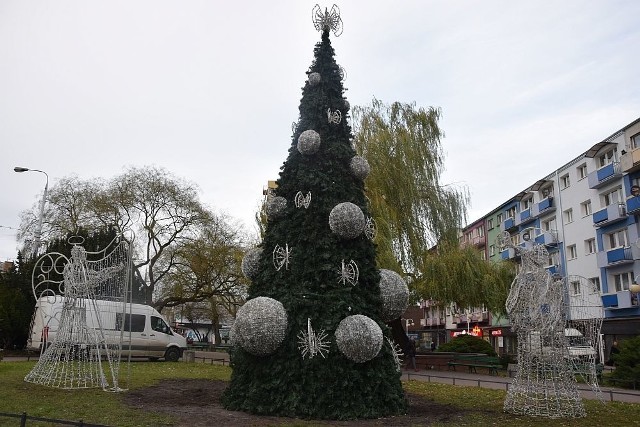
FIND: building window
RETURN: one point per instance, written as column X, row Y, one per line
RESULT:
column 511, row 212
column 483, row 256
column 582, row 171
column 590, row 246
column 546, row 192
column 549, row 225
column 635, row 141
column 492, row 250
column 575, row 287
column 564, row 181
column 596, row 282
column 499, row 218
column 568, row 216
column 526, row 203
column 606, row 158
column 490, row 223
column 572, row 252
column 515, row 239
column 586, row 208
column 613, row 196
column 617, row 239
column 622, row 281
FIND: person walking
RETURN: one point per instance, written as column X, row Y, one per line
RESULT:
column 411, row 354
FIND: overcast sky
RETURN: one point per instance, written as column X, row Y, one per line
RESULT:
column 209, row 89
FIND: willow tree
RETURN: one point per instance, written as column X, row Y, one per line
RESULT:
column 413, row 210
column 418, row 217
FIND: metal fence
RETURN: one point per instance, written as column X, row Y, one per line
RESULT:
column 24, row 418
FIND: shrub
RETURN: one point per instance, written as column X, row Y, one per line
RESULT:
column 627, row 362
column 468, row 344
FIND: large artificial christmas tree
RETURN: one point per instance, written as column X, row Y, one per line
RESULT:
column 311, row 341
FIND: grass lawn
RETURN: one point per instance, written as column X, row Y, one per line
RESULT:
column 99, row 407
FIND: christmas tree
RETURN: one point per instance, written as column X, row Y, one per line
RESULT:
column 311, row 341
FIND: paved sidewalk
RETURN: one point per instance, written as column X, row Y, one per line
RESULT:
column 462, row 378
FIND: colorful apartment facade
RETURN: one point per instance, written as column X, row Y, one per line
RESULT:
column 586, row 216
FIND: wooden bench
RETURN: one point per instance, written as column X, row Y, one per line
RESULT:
column 476, row 361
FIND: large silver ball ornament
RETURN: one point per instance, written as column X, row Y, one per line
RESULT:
column 275, row 207
column 347, row 106
column 359, row 338
column 395, row 295
column 260, row 326
column 359, row 167
column 314, row 79
column 250, row 262
column 309, row 142
column 347, row 220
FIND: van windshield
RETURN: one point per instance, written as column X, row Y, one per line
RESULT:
column 158, row 325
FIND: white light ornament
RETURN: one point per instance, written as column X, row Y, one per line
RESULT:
column 349, row 273
column 308, row 142
column 281, row 257
column 359, row 338
column 346, row 220
column 311, row 344
column 334, row 117
column 397, row 353
column 301, row 200
column 329, row 20
column 371, row 229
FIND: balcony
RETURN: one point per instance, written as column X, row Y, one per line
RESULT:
column 615, row 256
column 633, row 205
column 605, row 174
column 524, row 216
column 434, row 321
column 554, row 270
column 630, row 161
column 547, row 238
column 508, row 253
column 508, row 224
column 610, row 214
column 479, row 241
column 618, row 300
column 545, row 206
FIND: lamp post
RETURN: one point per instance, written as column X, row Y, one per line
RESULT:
column 38, row 233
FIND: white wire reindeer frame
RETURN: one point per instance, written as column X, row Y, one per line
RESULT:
column 545, row 383
column 94, row 290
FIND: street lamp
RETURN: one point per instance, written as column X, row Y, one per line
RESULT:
column 38, row 233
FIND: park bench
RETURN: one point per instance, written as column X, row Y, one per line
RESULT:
column 201, row 346
column 473, row 361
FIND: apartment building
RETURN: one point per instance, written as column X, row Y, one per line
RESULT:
column 586, row 216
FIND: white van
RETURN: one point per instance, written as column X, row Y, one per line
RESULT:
column 145, row 332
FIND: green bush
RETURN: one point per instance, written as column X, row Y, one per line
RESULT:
column 627, row 363
column 468, row 344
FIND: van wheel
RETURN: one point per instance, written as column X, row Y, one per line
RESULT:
column 172, row 354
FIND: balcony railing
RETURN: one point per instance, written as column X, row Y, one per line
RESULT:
column 630, row 161
column 618, row 300
column 479, row 241
column 615, row 256
column 633, row 205
column 508, row 253
column 603, row 175
column 610, row 214
column 547, row 238
column 508, row 224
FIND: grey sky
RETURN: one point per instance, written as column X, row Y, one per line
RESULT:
column 209, row 89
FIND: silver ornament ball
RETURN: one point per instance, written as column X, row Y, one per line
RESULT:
column 314, row 79
column 250, row 262
column 276, row 206
column 346, row 220
column 309, row 142
column 260, row 326
column 359, row 338
column 359, row 167
column 394, row 293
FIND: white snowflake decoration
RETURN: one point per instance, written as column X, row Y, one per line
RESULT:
column 349, row 273
column 329, row 20
column 370, row 228
column 302, row 200
column 334, row 117
column 311, row 344
column 397, row 353
column 281, row 257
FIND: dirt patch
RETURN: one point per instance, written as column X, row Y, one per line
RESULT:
column 196, row 403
